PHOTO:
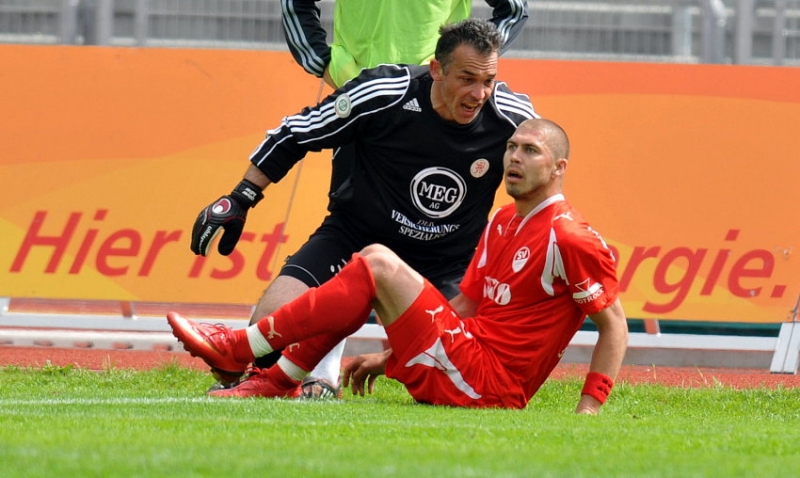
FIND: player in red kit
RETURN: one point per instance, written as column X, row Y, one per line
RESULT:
column 538, row 272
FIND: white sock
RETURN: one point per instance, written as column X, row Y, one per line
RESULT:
column 290, row 369
column 258, row 344
column 330, row 366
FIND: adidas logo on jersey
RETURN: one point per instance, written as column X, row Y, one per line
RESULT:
column 412, row 105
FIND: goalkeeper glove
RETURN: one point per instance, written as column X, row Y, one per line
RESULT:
column 227, row 214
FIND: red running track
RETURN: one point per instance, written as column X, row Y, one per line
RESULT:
column 672, row 376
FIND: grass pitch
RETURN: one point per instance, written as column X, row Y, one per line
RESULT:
column 62, row 421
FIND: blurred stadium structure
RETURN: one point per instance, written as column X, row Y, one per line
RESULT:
column 760, row 32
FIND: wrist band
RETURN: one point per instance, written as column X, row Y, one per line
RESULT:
column 248, row 193
column 597, row 385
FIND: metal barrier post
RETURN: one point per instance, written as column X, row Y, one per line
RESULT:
column 68, row 22
column 682, row 31
column 104, row 18
column 778, row 33
column 744, row 32
column 141, row 22
column 713, row 36
column 787, row 351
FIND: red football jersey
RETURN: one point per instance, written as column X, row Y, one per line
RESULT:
column 536, row 279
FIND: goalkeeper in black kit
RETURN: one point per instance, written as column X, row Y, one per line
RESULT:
column 429, row 144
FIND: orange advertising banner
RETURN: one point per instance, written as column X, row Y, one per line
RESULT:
column 689, row 171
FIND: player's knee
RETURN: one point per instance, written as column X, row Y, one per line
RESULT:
column 382, row 261
column 376, row 249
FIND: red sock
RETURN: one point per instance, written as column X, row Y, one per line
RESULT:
column 277, row 376
column 308, row 353
column 241, row 346
column 338, row 308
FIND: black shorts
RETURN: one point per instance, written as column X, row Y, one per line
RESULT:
column 330, row 247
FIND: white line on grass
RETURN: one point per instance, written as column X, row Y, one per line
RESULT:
column 105, row 401
column 135, row 401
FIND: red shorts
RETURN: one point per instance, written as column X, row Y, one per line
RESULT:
column 441, row 363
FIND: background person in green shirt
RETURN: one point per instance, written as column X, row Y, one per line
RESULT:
column 367, row 33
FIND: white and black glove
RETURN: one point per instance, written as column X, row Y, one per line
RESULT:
column 227, row 214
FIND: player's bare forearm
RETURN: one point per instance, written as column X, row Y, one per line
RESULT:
column 464, row 306
column 255, row 176
column 608, row 352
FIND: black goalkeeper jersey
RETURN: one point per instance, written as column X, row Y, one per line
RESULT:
column 420, row 185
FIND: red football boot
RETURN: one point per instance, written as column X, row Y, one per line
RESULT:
column 212, row 343
column 257, row 384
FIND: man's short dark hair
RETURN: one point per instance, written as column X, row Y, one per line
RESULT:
column 481, row 35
